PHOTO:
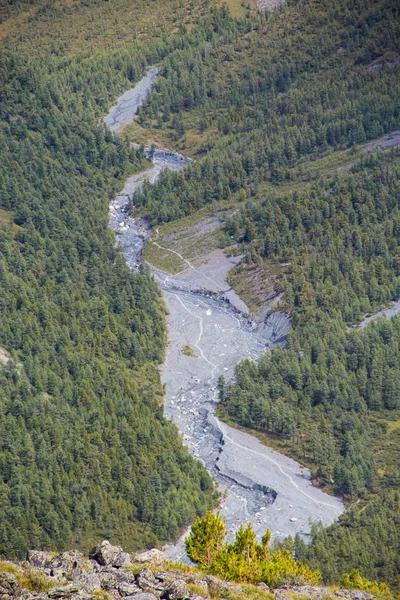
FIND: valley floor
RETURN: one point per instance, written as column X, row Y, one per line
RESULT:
column 208, row 335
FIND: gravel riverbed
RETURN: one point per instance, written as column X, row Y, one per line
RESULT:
column 261, row 486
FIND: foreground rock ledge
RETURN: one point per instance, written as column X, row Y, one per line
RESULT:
column 110, row 573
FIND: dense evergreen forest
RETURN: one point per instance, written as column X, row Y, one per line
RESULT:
column 256, row 109
column 84, row 448
column 333, row 393
column 274, row 93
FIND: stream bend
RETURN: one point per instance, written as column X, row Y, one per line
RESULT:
column 262, row 486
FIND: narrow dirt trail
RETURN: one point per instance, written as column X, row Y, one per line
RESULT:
column 189, row 264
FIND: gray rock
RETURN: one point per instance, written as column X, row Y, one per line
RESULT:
column 311, row 591
column 90, row 582
column 145, row 579
column 39, row 559
column 354, row 594
column 128, row 589
column 153, row 556
column 111, row 577
column 66, row 562
column 263, row 586
column 107, row 581
column 124, row 575
column 104, row 553
column 121, row 559
column 280, row 596
column 64, row 591
column 107, row 555
column 177, row 590
column 167, row 576
column 8, row 584
column 142, row 596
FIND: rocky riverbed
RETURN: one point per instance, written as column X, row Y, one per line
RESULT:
column 261, row 485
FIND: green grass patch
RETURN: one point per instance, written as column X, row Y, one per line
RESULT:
column 188, row 351
column 4, row 217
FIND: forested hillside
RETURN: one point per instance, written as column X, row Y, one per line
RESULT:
column 261, row 104
column 84, row 448
column 268, row 112
column 273, row 93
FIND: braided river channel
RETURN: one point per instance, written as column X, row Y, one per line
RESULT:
column 260, row 485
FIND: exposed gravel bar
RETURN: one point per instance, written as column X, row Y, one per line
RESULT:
column 262, row 486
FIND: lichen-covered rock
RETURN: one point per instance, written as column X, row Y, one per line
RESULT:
column 145, row 579
column 64, row 591
column 128, row 589
column 177, row 590
column 90, row 582
column 106, row 554
column 122, row 559
column 153, row 556
column 168, row 575
column 215, row 585
column 111, row 577
column 8, row 584
column 354, row 594
column 67, row 561
column 142, row 596
column 40, row 559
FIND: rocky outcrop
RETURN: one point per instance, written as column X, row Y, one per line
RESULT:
column 106, row 554
column 109, row 574
column 316, row 593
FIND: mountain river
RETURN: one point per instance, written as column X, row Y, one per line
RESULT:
column 260, row 485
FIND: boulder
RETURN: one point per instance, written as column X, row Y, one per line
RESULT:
column 67, row 561
column 123, row 575
column 90, row 582
column 40, row 559
column 177, row 590
column 64, row 591
column 142, row 596
column 153, row 556
column 107, row 581
column 122, row 559
column 111, row 577
column 8, row 584
column 354, row 594
column 263, row 586
column 128, row 589
column 145, row 579
column 106, row 554
column 167, row 576
column 311, row 591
